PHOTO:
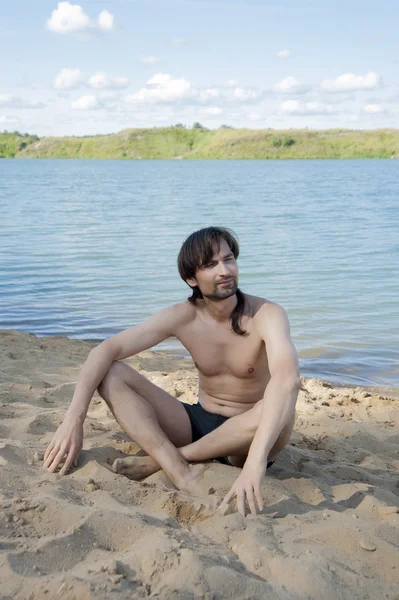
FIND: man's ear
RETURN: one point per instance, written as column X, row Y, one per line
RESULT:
column 192, row 282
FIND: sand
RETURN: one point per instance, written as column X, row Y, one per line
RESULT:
column 329, row 528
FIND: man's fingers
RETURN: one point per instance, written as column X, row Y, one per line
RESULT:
column 57, row 460
column 75, row 460
column 68, row 462
column 251, row 500
column 241, row 502
column 229, row 496
column 259, row 500
column 47, row 461
column 48, row 450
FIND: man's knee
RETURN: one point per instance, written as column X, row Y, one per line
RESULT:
column 112, row 376
column 238, row 460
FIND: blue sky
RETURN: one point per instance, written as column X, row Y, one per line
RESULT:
column 99, row 66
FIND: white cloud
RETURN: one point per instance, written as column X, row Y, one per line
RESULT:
column 290, row 85
column 14, row 102
column 5, row 99
column 372, row 108
column 105, row 21
column 98, row 80
column 70, row 19
column 163, row 88
column 246, row 95
column 283, row 53
column 348, row 82
column 337, row 98
column 101, row 81
column 68, row 79
column 109, row 95
column 232, row 83
column 209, row 94
column 149, row 60
column 213, row 111
column 294, row 107
column 6, row 120
column 85, row 103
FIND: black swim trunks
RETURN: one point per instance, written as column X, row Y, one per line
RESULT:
column 203, row 422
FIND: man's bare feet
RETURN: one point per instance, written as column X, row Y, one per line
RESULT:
column 193, row 482
column 136, row 467
column 140, row 467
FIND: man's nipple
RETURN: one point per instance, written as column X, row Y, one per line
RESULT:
column 251, row 370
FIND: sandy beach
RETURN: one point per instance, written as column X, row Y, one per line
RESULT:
column 329, row 528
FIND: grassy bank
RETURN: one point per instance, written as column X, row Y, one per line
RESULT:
column 201, row 143
column 11, row 143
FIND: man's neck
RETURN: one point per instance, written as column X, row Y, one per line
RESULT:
column 221, row 310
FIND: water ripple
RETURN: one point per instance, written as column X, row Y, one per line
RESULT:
column 88, row 248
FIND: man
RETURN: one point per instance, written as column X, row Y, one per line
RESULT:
column 248, row 381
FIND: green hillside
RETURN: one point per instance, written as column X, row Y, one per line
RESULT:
column 13, row 142
column 202, row 143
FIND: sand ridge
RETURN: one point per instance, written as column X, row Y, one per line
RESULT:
column 329, row 528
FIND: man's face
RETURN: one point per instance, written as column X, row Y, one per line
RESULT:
column 218, row 279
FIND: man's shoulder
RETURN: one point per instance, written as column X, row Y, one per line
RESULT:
column 260, row 305
column 262, row 308
column 270, row 317
column 181, row 312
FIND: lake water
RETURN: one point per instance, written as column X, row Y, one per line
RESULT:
column 89, row 247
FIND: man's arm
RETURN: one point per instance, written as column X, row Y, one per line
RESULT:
column 129, row 342
column 68, row 439
column 278, row 404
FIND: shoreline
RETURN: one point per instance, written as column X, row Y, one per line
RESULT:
column 386, row 390
column 329, row 526
column 187, row 158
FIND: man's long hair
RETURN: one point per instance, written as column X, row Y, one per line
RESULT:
column 198, row 250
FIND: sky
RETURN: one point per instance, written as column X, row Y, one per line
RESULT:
column 100, row 66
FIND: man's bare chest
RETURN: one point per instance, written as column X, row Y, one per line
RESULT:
column 218, row 351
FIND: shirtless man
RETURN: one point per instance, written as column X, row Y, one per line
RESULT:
column 248, row 381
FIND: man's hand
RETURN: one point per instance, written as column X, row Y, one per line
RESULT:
column 246, row 487
column 65, row 446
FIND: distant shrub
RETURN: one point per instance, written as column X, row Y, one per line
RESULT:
column 286, row 141
column 180, row 125
column 198, row 126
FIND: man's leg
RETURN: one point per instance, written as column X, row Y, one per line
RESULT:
column 233, row 438
column 135, row 402
column 238, row 460
column 156, row 421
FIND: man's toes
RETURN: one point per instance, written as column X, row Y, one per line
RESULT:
column 118, row 465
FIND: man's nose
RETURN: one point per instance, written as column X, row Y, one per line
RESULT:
column 223, row 270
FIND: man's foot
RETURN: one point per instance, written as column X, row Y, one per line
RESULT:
column 140, row 467
column 193, row 482
column 135, row 467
